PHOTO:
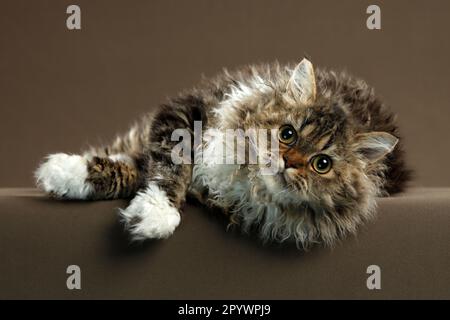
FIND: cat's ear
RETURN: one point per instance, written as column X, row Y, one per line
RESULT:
column 375, row 145
column 302, row 84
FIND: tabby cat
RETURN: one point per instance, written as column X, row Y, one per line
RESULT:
column 338, row 150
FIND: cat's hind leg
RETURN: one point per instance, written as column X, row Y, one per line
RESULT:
column 109, row 172
column 86, row 177
column 64, row 176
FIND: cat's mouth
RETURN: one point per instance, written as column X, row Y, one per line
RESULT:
column 288, row 178
column 284, row 181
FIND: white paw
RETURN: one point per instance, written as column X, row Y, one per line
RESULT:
column 64, row 176
column 150, row 215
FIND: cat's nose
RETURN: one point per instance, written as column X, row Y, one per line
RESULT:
column 290, row 163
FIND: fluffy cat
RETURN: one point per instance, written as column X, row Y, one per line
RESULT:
column 338, row 151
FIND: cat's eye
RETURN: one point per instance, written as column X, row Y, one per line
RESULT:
column 287, row 134
column 321, row 163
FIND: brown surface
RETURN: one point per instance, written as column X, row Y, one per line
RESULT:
column 40, row 238
column 61, row 89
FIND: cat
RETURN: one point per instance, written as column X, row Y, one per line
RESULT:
column 338, row 149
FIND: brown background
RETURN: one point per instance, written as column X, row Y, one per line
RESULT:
column 61, row 89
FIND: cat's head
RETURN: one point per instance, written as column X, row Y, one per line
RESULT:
column 330, row 168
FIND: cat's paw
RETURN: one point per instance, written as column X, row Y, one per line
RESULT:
column 150, row 215
column 64, row 176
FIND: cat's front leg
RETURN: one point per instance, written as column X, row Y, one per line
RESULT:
column 154, row 213
column 151, row 214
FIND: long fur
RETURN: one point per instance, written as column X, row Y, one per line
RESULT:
column 298, row 205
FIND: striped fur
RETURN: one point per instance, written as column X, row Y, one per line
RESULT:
column 298, row 205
